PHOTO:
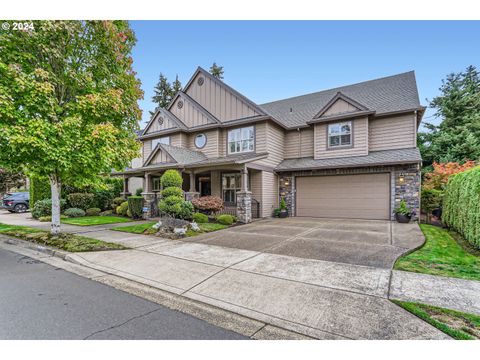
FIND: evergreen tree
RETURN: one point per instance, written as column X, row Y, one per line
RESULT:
column 216, row 71
column 176, row 86
column 163, row 93
column 457, row 137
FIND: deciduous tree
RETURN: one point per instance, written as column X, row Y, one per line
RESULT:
column 68, row 102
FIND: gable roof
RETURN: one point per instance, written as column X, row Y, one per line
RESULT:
column 340, row 96
column 385, row 95
column 229, row 88
column 195, row 104
column 167, row 114
column 179, row 155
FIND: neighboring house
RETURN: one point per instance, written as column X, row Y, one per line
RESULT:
column 348, row 152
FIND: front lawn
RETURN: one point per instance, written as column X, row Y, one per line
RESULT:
column 206, row 228
column 95, row 220
column 64, row 241
column 460, row 326
column 137, row 229
column 441, row 255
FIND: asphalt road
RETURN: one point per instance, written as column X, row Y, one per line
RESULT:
column 38, row 301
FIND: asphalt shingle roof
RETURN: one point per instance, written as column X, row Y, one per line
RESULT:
column 385, row 95
column 183, row 155
column 384, row 157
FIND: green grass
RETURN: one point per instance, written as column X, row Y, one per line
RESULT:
column 206, row 228
column 460, row 326
column 95, row 220
column 135, row 229
column 441, row 255
column 64, row 241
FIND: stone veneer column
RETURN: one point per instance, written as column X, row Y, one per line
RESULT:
column 407, row 187
column 286, row 191
column 244, row 206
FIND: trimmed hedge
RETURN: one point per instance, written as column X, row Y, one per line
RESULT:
column 461, row 205
column 93, row 211
column 135, row 206
column 122, row 209
column 171, row 178
column 225, row 219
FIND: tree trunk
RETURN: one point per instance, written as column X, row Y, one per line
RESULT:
column 55, row 185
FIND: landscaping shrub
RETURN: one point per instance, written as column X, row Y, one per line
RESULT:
column 49, row 218
column 431, row 200
column 225, row 219
column 80, row 200
column 171, row 178
column 208, row 204
column 122, row 208
column 117, row 202
column 461, row 205
column 200, row 218
column 93, row 212
column 172, row 202
column 44, row 207
column 172, row 191
column 129, row 213
column 138, row 192
column 135, row 206
column 74, row 212
column 106, row 213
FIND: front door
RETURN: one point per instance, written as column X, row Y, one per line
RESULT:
column 204, row 185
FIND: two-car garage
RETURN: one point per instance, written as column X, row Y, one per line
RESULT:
column 362, row 196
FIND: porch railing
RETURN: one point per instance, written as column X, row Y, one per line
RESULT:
column 231, row 209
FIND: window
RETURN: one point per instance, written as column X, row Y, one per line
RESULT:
column 240, row 140
column 231, row 183
column 340, row 134
column 156, row 184
column 200, row 140
column 162, row 140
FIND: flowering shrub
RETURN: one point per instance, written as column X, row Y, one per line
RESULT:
column 208, row 203
column 438, row 178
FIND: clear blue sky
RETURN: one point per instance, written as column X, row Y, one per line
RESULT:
column 271, row 60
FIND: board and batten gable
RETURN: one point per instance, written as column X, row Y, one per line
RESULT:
column 299, row 143
column 165, row 124
column 340, row 106
column 359, row 145
column 218, row 99
column 393, row 132
column 161, row 157
column 188, row 113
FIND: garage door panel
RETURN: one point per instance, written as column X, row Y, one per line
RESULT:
column 365, row 196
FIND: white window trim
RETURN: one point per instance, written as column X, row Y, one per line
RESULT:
column 350, row 144
column 241, row 140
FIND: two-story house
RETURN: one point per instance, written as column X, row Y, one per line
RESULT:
column 348, row 152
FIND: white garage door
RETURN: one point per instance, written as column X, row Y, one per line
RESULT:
column 365, row 196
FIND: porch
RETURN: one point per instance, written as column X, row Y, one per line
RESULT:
column 233, row 184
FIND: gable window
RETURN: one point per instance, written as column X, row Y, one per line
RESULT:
column 163, row 140
column 241, row 140
column 340, row 134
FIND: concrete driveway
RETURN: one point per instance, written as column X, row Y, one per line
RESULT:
column 360, row 242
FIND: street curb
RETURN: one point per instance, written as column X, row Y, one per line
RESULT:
column 229, row 320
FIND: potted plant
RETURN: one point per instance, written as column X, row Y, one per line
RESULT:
column 403, row 213
column 283, row 209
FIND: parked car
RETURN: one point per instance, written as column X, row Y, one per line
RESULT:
column 17, row 202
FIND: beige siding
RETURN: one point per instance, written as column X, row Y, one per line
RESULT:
column 222, row 142
column 179, row 139
column 211, row 148
column 256, row 185
column 260, row 137
column 299, row 144
column 218, row 100
column 269, row 193
column 360, row 141
column 269, row 138
column 395, row 132
column 156, row 126
column 189, row 114
column 340, row 107
column 135, row 183
column 147, row 149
